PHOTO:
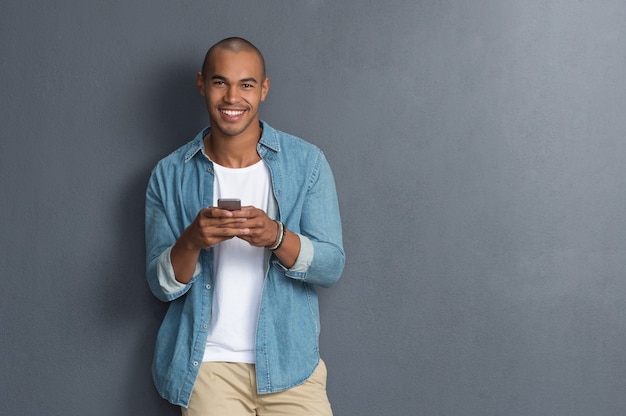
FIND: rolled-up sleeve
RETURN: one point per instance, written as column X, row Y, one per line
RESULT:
column 305, row 257
column 167, row 278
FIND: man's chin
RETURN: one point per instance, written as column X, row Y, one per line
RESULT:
column 231, row 130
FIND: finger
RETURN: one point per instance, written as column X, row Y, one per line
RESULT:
column 228, row 222
column 249, row 211
column 213, row 212
column 236, row 232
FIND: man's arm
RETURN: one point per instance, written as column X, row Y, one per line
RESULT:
column 172, row 251
column 321, row 231
column 316, row 250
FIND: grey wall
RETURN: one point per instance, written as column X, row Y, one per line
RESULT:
column 479, row 154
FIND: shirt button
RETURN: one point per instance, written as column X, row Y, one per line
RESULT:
column 205, row 326
column 195, row 363
column 208, row 287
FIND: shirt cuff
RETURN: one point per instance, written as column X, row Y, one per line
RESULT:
column 166, row 276
column 305, row 257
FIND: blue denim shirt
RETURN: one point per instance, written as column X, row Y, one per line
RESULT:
column 287, row 337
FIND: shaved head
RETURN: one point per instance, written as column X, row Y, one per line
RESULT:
column 233, row 44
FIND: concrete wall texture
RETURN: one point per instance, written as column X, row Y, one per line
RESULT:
column 478, row 149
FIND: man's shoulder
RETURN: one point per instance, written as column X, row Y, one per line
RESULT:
column 287, row 141
column 182, row 153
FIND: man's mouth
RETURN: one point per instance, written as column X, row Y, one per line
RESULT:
column 233, row 113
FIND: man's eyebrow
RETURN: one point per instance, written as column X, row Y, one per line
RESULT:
column 244, row 80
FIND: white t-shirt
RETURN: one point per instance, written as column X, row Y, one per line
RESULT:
column 239, row 271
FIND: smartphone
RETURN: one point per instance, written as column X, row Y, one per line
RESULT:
column 230, row 204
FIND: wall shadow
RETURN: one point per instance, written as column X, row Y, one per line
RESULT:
column 173, row 113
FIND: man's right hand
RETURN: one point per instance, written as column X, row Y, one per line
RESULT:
column 210, row 227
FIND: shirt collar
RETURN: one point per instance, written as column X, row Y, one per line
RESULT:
column 197, row 144
column 269, row 139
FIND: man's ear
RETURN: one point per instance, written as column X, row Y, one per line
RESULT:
column 200, row 83
column 265, row 87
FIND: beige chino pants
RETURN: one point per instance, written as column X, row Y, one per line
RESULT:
column 229, row 389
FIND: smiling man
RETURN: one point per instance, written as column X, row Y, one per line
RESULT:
column 240, row 336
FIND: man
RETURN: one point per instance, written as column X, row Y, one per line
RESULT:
column 240, row 336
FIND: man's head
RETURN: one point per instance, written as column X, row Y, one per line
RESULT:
column 233, row 83
column 233, row 44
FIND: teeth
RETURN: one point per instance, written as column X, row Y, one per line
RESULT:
column 232, row 112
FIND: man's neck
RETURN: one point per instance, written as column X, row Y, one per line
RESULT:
column 232, row 152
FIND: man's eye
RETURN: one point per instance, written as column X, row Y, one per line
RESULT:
column 218, row 83
column 247, row 85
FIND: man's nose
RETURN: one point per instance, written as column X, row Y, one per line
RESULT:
column 232, row 95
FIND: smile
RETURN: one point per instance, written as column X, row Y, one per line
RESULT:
column 233, row 113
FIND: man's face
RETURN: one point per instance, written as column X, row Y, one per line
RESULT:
column 233, row 87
